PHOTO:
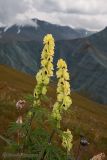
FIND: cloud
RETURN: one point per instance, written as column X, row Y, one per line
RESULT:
column 9, row 9
column 91, row 14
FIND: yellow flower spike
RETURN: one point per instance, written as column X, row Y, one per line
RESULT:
column 67, row 139
column 63, row 89
column 46, row 71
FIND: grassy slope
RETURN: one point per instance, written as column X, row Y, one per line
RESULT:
column 85, row 116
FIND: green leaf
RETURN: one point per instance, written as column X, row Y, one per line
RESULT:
column 29, row 98
column 14, row 127
column 55, row 153
column 41, row 114
column 44, row 98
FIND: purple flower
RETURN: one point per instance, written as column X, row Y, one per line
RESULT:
column 20, row 104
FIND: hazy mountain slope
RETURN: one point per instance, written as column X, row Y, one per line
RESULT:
column 100, row 40
column 24, row 56
column 88, row 68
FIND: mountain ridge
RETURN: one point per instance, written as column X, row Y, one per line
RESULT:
column 28, row 29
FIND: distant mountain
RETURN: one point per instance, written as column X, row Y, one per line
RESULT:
column 86, row 57
column 35, row 29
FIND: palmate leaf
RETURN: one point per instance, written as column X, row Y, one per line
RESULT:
column 44, row 98
column 41, row 114
column 39, row 138
column 55, row 153
column 40, row 132
column 29, row 98
column 14, row 127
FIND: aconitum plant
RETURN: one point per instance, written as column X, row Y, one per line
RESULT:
column 36, row 137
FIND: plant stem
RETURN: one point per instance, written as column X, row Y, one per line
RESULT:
column 49, row 141
column 28, row 130
column 78, row 152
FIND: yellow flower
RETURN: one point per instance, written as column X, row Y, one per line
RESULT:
column 37, row 91
column 59, row 73
column 48, row 39
column 65, row 75
column 62, row 73
column 39, row 77
column 67, row 139
column 46, row 80
column 36, row 102
column 29, row 115
column 44, row 53
column 44, row 90
column 60, row 97
column 59, row 89
column 66, row 102
column 44, row 62
column 49, row 66
column 56, row 112
column 63, row 86
column 61, row 64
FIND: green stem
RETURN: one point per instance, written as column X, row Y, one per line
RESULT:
column 49, row 141
column 28, row 129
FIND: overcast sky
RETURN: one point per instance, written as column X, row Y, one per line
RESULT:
column 90, row 14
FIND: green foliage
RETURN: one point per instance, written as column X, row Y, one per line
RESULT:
column 55, row 153
column 29, row 98
column 14, row 127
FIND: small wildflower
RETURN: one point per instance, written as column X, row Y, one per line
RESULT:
column 20, row 104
